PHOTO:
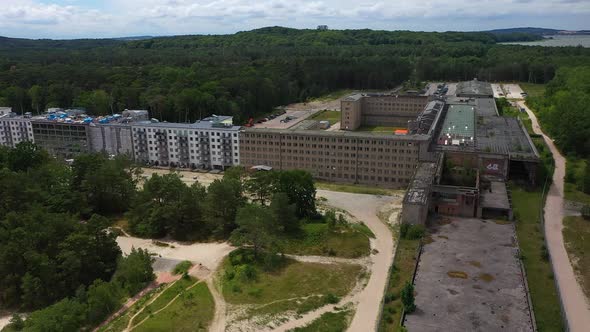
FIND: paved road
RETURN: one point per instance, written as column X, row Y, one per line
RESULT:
column 576, row 306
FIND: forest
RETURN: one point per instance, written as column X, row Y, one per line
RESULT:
column 249, row 73
column 59, row 255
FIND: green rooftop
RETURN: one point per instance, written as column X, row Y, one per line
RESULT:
column 459, row 122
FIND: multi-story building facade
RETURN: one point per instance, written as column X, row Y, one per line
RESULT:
column 61, row 139
column 204, row 144
column 15, row 129
column 115, row 137
column 365, row 158
column 380, row 110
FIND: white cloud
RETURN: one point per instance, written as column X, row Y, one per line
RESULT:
column 44, row 18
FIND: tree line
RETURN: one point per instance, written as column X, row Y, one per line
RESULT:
column 249, row 73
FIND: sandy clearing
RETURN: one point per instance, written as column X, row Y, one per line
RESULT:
column 576, row 306
column 188, row 177
column 208, row 254
column 365, row 208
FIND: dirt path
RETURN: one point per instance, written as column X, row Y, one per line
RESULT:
column 330, row 260
column 575, row 304
column 365, row 208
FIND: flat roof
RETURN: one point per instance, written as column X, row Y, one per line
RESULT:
column 419, row 188
column 504, row 135
column 459, row 122
column 474, row 88
column 196, row 125
column 339, row 133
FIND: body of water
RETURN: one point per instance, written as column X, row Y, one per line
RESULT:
column 558, row 40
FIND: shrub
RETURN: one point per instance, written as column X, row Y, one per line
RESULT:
column 331, row 298
column 586, row 211
column 407, row 296
column 246, row 273
column 182, row 267
column 415, row 232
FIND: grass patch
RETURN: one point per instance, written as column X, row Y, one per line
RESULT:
column 327, row 115
column 401, row 272
column 192, row 311
column 380, row 129
column 306, row 286
column 163, row 299
column 533, row 90
column 457, row 274
column 527, row 205
column 354, row 188
column 328, row 322
column 182, row 267
column 320, row 239
column 576, row 233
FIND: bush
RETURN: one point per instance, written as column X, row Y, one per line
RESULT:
column 415, row 232
column 407, row 296
column 331, row 298
column 586, row 212
column 182, row 267
column 246, row 273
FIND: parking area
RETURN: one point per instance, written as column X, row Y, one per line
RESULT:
column 452, row 89
column 513, row 91
column 469, row 279
column 498, row 92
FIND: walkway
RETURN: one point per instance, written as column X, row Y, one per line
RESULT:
column 576, row 307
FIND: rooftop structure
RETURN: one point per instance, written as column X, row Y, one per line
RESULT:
column 459, row 126
column 475, row 89
column 5, row 111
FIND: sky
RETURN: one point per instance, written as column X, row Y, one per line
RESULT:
column 66, row 19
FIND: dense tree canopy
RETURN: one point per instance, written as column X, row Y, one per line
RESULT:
column 248, row 73
column 564, row 109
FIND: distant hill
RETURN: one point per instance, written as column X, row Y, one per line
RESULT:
column 21, row 43
column 539, row 31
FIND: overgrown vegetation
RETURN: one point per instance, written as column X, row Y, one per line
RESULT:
column 577, row 180
column 576, row 232
column 276, row 284
column 527, row 208
column 328, row 322
column 562, row 110
column 401, row 276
